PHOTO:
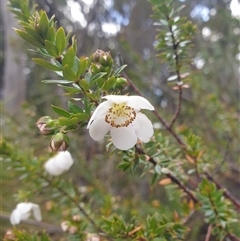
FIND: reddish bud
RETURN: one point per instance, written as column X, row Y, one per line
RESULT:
column 46, row 125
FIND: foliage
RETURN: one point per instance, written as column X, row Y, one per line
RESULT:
column 174, row 158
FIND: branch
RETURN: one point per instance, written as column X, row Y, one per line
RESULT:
column 226, row 193
column 171, row 176
column 209, row 231
column 51, row 229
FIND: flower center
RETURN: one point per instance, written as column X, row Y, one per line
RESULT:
column 120, row 115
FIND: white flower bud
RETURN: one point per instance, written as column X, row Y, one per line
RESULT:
column 59, row 163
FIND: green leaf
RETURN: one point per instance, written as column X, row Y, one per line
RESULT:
column 60, row 111
column 50, row 34
column 97, row 76
column 43, row 23
column 124, row 166
column 68, row 73
column 60, row 40
column 163, row 22
column 109, row 83
column 57, row 81
column 71, row 90
column 84, row 84
column 154, row 178
column 81, row 116
column 63, row 121
column 32, row 32
column 51, row 48
column 118, row 71
column 157, row 169
column 83, row 64
column 74, row 108
column 69, row 57
column 29, row 39
column 46, row 64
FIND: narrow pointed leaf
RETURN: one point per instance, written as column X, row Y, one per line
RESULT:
column 60, row 40
column 60, row 111
column 46, row 64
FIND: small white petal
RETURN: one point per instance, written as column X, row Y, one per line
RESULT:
column 143, row 127
column 37, row 212
column 99, row 128
column 25, row 216
column 15, row 217
column 24, row 207
column 101, row 110
column 123, row 138
column 139, row 102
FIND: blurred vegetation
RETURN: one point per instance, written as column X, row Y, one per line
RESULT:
column 208, row 123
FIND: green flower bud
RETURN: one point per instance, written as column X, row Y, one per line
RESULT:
column 106, row 59
column 59, row 142
column 46, row 125
column 121, row 83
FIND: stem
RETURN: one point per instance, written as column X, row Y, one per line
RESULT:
column 177, row 68
column 178, row 110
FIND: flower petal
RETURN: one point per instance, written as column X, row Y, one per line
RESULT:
column 143, row 127
column 37, row 212
column 15, row 217
column 99, row 128
column 116, row 98
column 139, row 102
column 123, row 138
column 24, row 207
column 63, row 160
column 51, row 168
column 100, row 111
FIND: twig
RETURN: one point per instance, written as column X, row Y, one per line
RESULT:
column 223, row 160
column 232, row 237
column 209, row 232
column 78, row 206
column 183, row 187
column 177, row 112
column 226, row 193
column 171, row 176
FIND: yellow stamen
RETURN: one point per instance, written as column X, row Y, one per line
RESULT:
column 120, row 115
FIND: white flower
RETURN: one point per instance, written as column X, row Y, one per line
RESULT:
column 59, row 163
column 23, row 211
column 122, row 117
